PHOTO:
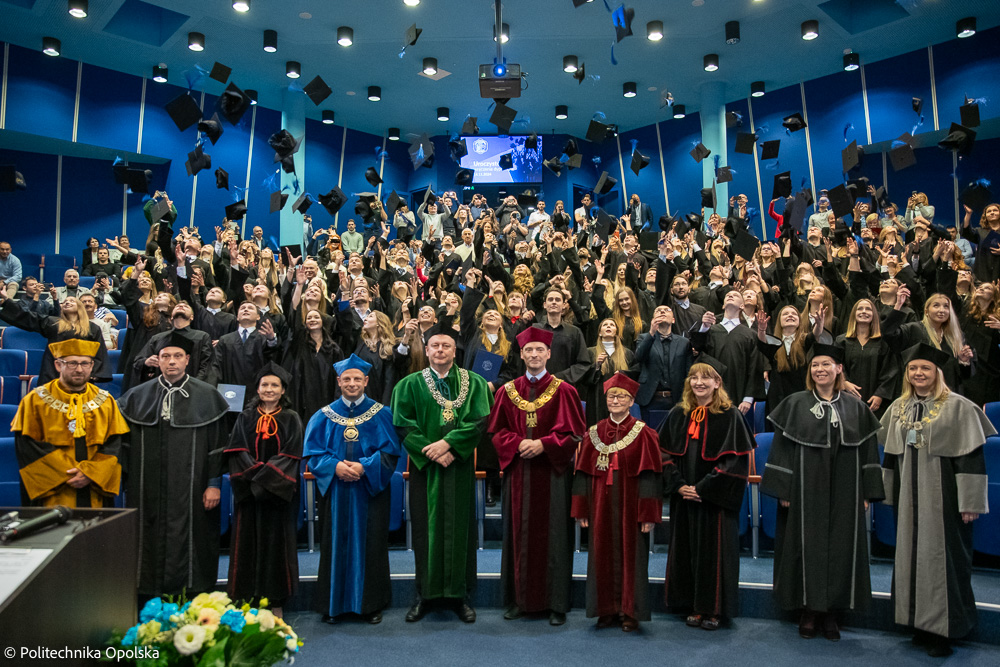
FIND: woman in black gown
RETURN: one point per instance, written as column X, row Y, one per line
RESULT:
column 786, row 353
column 147, row 312
column 871, row 368
column 309, row 356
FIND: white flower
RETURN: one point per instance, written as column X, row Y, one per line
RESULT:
column 189, row 639
column 291, row 644
column 266, row 619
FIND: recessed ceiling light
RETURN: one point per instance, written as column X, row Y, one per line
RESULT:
column 351, row 93
column 374, row 93
column 293, row 69
column 757, row 89
column 78, row 8
column 328, row 116
column 196, row 41
column 270, row 41
column 628, row 89
column 345, row 35
column 698, row 3
column 654, row 31
column 160, row 73
column 652, row 89
column 679, row 111
column 966, row 27
column 430, row 66
column 810, row 30
column 51, row 46
column 570, row 64
column 410, row 3
column 241, row 5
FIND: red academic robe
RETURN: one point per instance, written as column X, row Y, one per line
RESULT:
column 615, row 502
column 537, row 562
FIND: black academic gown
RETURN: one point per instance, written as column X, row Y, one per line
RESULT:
column 138, row 333
column 236, row 361
column 199, row 365
column 874, row 367
column 315, row 382
column 826, row 471
column 570, row 360
column 264, row 474
column 168, row 465
column 902, row 336
column 783, row 383
column 383, row 375
column 737, row 350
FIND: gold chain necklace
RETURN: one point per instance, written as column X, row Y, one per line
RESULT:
column 449, row 407
column 607, row 450
column 351, row 423
column 532, row 406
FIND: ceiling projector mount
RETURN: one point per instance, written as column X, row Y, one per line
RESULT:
column 499, row 80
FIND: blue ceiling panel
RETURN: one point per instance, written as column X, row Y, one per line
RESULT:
column 857, row 16
column 25, row 4
column 145, row 23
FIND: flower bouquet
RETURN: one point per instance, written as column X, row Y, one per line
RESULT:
column 208, row 631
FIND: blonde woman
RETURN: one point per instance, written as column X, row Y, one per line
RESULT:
column 624, row 310
column 786, row 352
column 871, row 368
column 939, row 328
column 609, row 356
column 376, row 346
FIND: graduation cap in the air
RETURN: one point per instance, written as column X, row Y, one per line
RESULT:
column 429, row 196
column 977, row 195
column 841, row 202
column 638, row 161
column 527, row 198
column 902, row 155
column 503, row 116
column 211, row 128
column 700, row 152
column 278, row 200
column 597, row 131
column 233, row 103
column 580, row 73
column 412, row 35
column 220, row 72
column 421, row 151
column 506, row 162
column 464, row 176
column 605, row 183
column 284, row 144
column 119, row 169
column 236, row 210
column 580, row 3
column 622, row 19
column 371, row 175
column 918, row 105
column 858, row 187
column 970, row 114
column 794, row 123
column 769, row 149
column 745, row 142
column 708, row 198
column 392, row 204
column 603, row 225
column 732, row 119
column 317, row 90
column 882, row 197
column 198, row 160
column 159, row 211
column 850, row 157
column 531, row 143
column 570, row 148
column 458, row 149
column 724, row 174
column 959, row 139
column 333, row 200
column 666, row 222
column 361, row 208
column 554, row 165
column 184, row 111
column 138, row 180
column 574, row 161
column 288, row 164
column 469, row 126
column 744, row 244
column 302, row 204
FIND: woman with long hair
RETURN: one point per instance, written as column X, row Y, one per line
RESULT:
column 609, row 356
column 987, row 265
column 376, row 346
column 148, row 314
column 524, row 281
column 309, row 356
column 871, row 368
column 820, row 299
column 706, row 447
column 267, row 268
column 785, row 351
column 979, row 317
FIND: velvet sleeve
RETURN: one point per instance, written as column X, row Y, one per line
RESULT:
column 971, row 482
column 279, row 476
column 381, row 463
column 890, row 479
column 650, row 506
column 240, row 463
column 582, row 486
column 103, row 468
column 560, row 443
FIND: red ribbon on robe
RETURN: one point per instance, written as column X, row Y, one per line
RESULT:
column 697, row 417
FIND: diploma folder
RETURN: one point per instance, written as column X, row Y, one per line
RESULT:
column 234, row 395
column 487, row 365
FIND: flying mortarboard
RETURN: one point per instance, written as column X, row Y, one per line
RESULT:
column 638, row 161
column 211, row 128
column 554, row 165
column 333, row 200
column 371, row 175
column 622, row 19
column 918, row 105
column 959, row 139
column 580, row 73
column 184, row 111
column 288, row 164
column 882, row 197
column 284, row 144
column 531, row 143
column 794, row 123
column 769, row 149
column 233, row 103
column 11, row 179
column 458, row 149
column 220, row 72
column 159, row 210
column 574, row 161
column 605, row 183
column 700, row 152
column 429, row 196
column 278, row 200
column 421, row 151
column 197, row 160
column 138, row 180
column 708, row 199
column 392, row 204
column 503, row 116
column 360, row 208
column 506, row 162
column 527, row 198
column 732, row 119
column 977, row 196
column 317, row 90
column 303, row 203
column 236, row 210
column 841, row 202
column 849, row 157
column 597, row 131
column 412, row 35
column 745, row 244
column 570, row 148
column 745, row 142
column 603, row 225
column 464, row 176
column 469, row 126
column 970, row 114
column 902, row 156
column 724, row 174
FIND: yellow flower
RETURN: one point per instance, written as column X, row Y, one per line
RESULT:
column 147, row 631
column 264, row 602
column 209, row 618
column 250, row 618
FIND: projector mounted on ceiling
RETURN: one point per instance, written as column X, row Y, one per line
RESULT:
column 499, row 81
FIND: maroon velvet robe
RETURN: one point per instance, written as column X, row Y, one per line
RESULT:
column 537, row 562
column 615, row 502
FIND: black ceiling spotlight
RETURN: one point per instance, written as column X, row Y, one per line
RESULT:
column 374, row 93
column 810, row 30
column 628, row 89
column 196, row 41
column 965, row 27
column 679, row 111
column 160, row 73
column 393, row 134
column 757, row 89
column 442, row 114
column 654, row 31
column 293, row 69
column 345, row 35
column 430, row 66
column 328, row 116
column 51, row 46
column 733, row 32
column 504, row 33
column 78, row 8
column 562, row 112
column 711, row 62
column 570, row 64
column 270, row 41
column 852, row 61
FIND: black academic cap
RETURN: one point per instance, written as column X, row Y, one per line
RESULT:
column 745, row 244
column 368, row 197
column 926, row 352
column 977, row 196
column 138, row 180
column 419, row 157
column 769, row 149
column 648, row 241
column 708, row 197
column 574, row 161
column 236, row 210
column 580, row 3
column 175, row 339
column 638, row 161
column 858, row 187
column 782, row 185
column 835, row 352
column 159, row 211
column 443, row 327
column 849, row 157
column 882, row 197
column 554, row 165
column 902, row 156
column 184, row 111
column 288, row 164
column 120, row 170
column 841, row 202
column 700, row 152
column 361, row 208
column 392, row 203
column 458, row 149
column 302, row 204
column 745, row 142
column 506, row 162
column 11, row 179
column 429, row 195
column 211, row 128
column 724, row 174
column 794, row 123
column 198, row 160
column 918, row 105
column 469, row 126
column 604, row 224
column 666, row 222
column 531, row 143
column 716, row 365
column 622, row 19
column 317, row 90
column 570, row 148
column 970, row 114
column 333, row 200
column 271, row 368
column 464, row 176
column 527, row 198
column 233, row 103
column 597, row 131
column 605, row 183
column 284, row 144
column 580, row 73
column 220, row 72
column 959, row 139
column 503, row 116
column 371, row 175
column 732, row 119
column 412, row 35
column 278, row 200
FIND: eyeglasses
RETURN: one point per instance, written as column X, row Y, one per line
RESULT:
column 619, row 397
column 76, row 364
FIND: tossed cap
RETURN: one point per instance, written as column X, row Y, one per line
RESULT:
column 333, row 200
column 458, row 149
column 464, row 177
column 700, row 152
column 850, row 157
column 469, row 126
column 184, row 111
column 769, row 149
column 960, row 139
column 622, row 20
column 221, row 179
column 638, row 161
column 412, row 34
column 138, row 180
column 782, row 185
column 302, row 204
column 554, row 165
column 220, row 72
column 317, row 90
column 794, row 123
column 278, row 200
column 503, row 116
column 531, row 143
column 745, row 142
column 708, row 199
column 902, row 156
column 970, row 114
column 506, row 161
column 605, row 183
column 236, row 210
column 211, row 128
column 841, row 202
column 197, row 160
column 371, row 175
column 392, row 204
column 233, row 103
column 724, row 174
column 977, row 195
column 597, row 131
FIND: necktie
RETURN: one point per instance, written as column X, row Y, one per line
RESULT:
column 243, row 335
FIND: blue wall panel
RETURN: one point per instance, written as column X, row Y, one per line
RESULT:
column 744, row 166
column 323, row 157
column 92, row 203
column 836, row 110
column 28, row 217
column 262, row 169
column 41, row 93
column 892, row 84
column 649, row 183
column 684, row 175
column 109, row 108
column 967, row 68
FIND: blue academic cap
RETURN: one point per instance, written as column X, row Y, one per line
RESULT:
column 353, row 361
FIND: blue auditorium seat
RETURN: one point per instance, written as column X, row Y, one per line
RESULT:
column 30, row 261
column 6, row 417
column 225, row 505
column 986, row 529
column 35, row 361
column 54, row 273
column 768, row 504
column 10, row 477
column 884, row 516
column 88, row 281
column 10, row 389
column 396, row 499
column 745, row 513
column 759, row 420
column 33, row 382
column 113, row 357
column 122, row 317
column 13, row 362
column 19, row 339
column 992, row 411
column 115, row 386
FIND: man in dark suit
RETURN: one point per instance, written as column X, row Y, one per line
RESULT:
column 210, row 318
column 258, row 239
column 664, row 359
column 639, row 213
column 239, row 355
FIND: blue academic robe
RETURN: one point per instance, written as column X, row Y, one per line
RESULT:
column 354, row 552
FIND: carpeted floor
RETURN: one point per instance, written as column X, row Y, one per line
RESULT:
column 440, row 639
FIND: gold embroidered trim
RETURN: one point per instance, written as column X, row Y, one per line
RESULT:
column 607, row 450
column 532, row 406
column 914, row 430
column 351, row 423
column 63, row 407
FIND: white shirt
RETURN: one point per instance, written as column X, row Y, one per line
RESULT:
column 493, row 338
column 241, row 330
column 685, row 304
column 608, row 347
column 787, row 342
column 731, row 324
column 348, row 404
column 536, row 378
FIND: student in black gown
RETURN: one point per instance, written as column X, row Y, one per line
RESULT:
column 871, row 368
column 309, row 356
column 239, row 355
column 609, row 356
column 786, row 353
column 145, row 319
column 376, row 345
column 200, row 366
column 263, row 459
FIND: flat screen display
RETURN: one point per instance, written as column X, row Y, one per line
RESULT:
column 484, row 157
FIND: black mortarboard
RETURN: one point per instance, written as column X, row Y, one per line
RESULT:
column 570, row 148
column 211, row 128
column 392, row 204
column 580, row 73
column 443, row 327
column 724, row 174
column 794, row 123
column 902, row 156
column 926, row 352
column 769, row 149
column 175, row 339
column 970, row 114
column 782, row 185
column 841, row 202
column 554, row 165
column 574, row 161
column 278, row 200
column 700, row 152
column 421, row 151
column 795, row 208
column 120, row 169
column 284, row 144
column 464, row 176
column 198, row 160
column 622, row 19
column 849, row 157
column 429, row 196
column 835, row 352
column 271, row 368
column 458, row 149
column 469, row 126
column 184, row 111
column 138, row 180
column 603, row 225
column 708, row 199
column 918, row 105
column 333, row 200
column 580, row 3
column 648, row 241
column 716, row 365
column 732, row 119
column 302, row 204
column 745, row 244
column 368, row 197
column 503, row 116
column 290, row 250
column 638, row 161
column 959, row 139
column 317, row 90
column 412, row 35
column 371, row 175
column 233, row 103
column 977, row 196
column 745, row 142
column 361, row 208
column 221, row 178
column 597, row 131
column 605, row 183
column 220, row 72
column 288, row 164
column 531, row 143
column 11, row 179
column 236, row 210
column 159, row 210
column 506, row 162
column 527, row 198
column 666, row 222
column 882, row 197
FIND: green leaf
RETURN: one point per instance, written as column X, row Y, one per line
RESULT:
column 215, row 656
column 247, row 654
